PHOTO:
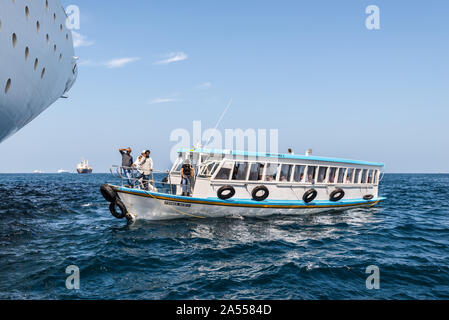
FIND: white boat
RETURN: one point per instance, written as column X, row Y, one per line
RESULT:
column 83, row 167
column 37, row 63
column 38, row 172
column 235, row 183
column 63, row 171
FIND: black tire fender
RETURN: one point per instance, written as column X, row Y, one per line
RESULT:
column 337, row 195
column 226, row 192
column 123, row 211
column 108, row 193
column 368, row 197
column 265, row 195
column 309, row 195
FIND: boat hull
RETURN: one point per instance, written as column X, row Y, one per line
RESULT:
column 157, row 206
column 84, row 171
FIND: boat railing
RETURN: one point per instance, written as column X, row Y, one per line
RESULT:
column 129, row 178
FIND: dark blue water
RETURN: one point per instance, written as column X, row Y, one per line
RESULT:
column 48, row 222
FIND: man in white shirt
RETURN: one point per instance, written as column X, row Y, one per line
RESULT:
column 144, row 165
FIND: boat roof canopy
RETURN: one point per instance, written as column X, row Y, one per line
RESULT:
column 279, row 155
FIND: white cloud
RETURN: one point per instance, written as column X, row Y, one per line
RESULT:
column 80, row 41
column 173, row 57
column 205, row 85
column 111, row 64
column 84, row 63
column 161, row 100
column 121, row 62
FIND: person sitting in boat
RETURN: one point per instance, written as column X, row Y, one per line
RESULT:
column 144, row 165
column 310, row 178
column 127, row 162
column 187, row 174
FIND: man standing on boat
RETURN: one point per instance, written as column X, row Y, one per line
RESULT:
column 187, row 174
column 127, row 162
column 144, row 166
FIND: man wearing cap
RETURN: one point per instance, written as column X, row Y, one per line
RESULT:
column 187, row 174
column 144, row 165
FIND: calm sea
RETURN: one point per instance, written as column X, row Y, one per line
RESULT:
column 49, row 222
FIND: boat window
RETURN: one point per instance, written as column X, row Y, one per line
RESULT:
column 256, row 171
column 272, row 169
column 298, row 175
column 341, row 175
column 376, row 172
column 240, row 171
column 322, row 171
column 364, row 172
column 208, row 169
column 286, row 173
column 225, row 171
column 370, row 176
column 332, row 174
column 357, row 175
column 311, row 172
column 350, row 175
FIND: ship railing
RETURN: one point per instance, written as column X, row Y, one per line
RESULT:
column 130, row 178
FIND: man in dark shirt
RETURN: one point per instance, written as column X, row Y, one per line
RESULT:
column 127, row 161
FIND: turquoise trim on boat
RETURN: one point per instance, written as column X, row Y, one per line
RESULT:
column 250, row 202
column 283, row 156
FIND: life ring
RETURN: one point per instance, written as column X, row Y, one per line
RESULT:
column 123, row 211
column 226, row 192
column 256, row 190
column 337, row 195
column 368, row 197
column 108, row 192
column 309, row 195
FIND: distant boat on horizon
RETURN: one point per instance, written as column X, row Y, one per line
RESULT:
column 83, row 167
column 38, row 172
column 63, row 171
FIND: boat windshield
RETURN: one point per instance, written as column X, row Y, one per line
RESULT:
column 207, row 169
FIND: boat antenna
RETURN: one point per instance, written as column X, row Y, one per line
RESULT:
column 219, row 121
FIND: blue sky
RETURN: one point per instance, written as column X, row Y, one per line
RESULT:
column 310, row 69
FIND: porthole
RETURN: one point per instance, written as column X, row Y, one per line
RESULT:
column 46, row 4
column 48, row 38
column 67, row 36
column 38, row 26
column 27, row 53
column 60, row 27
column 27, row 12
column 14, row 40
column 60, row 56
column 36, row 64
column 43, row 73
column 8, row 86
column 54, row 49
column 54, row 17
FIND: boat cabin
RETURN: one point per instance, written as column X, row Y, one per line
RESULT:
column 284, row 176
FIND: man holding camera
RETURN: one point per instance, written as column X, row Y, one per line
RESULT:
column 127, row 162
column 144, row 165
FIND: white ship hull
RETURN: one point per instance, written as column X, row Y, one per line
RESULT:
column 37, row 64
column 146, row 205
